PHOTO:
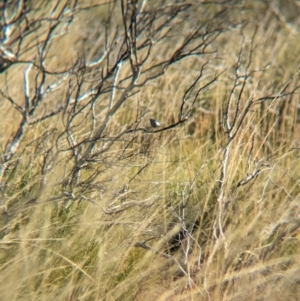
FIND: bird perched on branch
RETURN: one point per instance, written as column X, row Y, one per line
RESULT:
column 154, row 123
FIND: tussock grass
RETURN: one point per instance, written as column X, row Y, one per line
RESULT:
column 112, row 236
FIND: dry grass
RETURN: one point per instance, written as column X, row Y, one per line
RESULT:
column 89, row 248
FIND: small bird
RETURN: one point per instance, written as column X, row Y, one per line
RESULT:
column 154, row 123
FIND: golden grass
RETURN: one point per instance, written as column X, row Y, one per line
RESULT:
column 86, row 248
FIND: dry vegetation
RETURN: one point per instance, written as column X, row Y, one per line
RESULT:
column 98, row 205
